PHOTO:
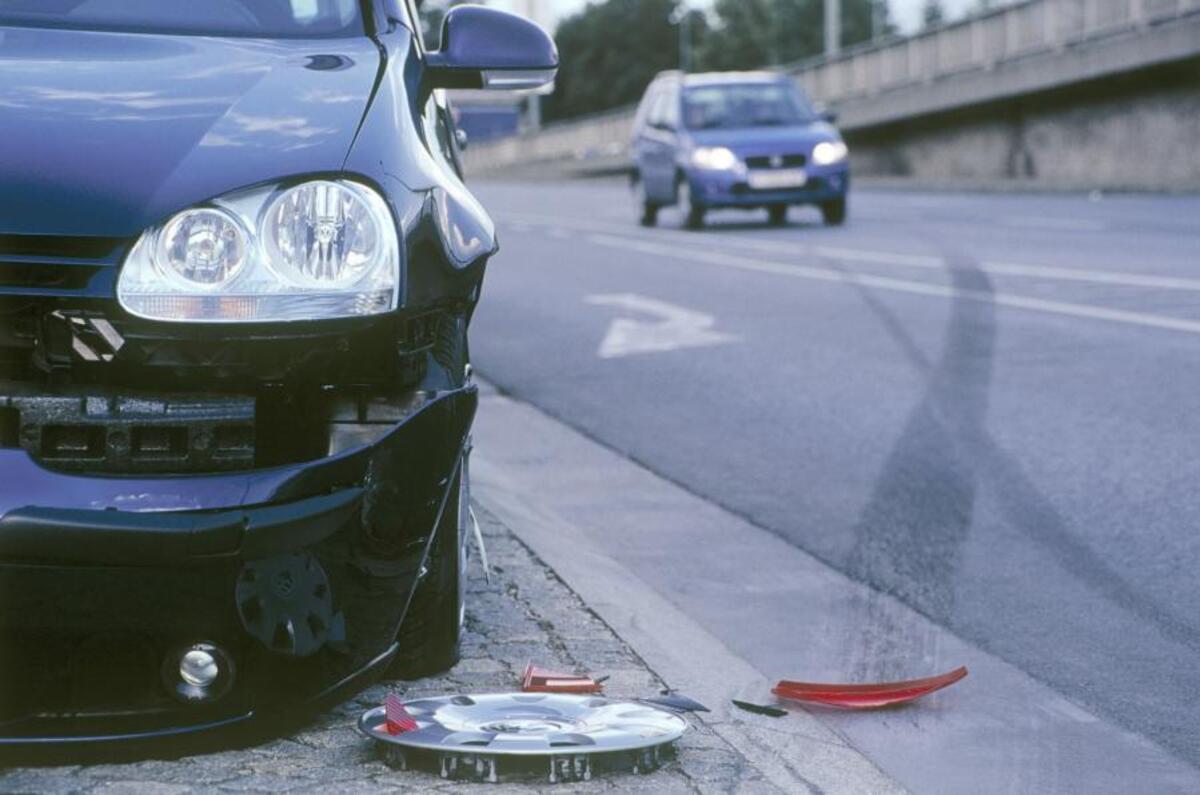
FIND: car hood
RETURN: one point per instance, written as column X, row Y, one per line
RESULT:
column 107, row 133
column 767, row 140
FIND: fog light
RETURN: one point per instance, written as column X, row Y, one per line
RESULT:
column 198, row 667
column 199, row 672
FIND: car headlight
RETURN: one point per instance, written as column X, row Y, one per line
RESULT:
column 314, row 251
column 827, row 153
column 714, row 158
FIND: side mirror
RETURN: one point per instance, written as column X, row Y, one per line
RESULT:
column 462, row 139
column 487, row 48
column 825, row 114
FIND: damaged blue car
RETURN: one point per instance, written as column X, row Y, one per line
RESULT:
column 238, row 265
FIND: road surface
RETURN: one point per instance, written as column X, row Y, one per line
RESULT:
column 984, row 405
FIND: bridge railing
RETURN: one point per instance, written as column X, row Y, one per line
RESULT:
column 978, row 42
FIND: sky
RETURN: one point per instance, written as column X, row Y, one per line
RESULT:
column 905, row 13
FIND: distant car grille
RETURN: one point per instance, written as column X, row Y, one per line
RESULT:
column 48, row 265
column 776, row 161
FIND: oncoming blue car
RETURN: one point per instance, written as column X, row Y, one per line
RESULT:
column 747, row 140
column 238, row 265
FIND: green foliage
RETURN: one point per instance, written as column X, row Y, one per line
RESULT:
column 432, row 14
column 932, row 14
column 613, row 48
column 609, row 52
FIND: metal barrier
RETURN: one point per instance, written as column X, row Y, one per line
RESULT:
column 978, row 42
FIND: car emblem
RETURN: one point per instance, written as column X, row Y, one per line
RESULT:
column 777, row 161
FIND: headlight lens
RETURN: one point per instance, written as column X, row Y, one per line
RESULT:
column 714, row 158
column 205, row 248
column 320, row 250
column 322, row 234
column 827, row 153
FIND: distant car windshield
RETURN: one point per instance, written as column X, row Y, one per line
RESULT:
column 744, row 105
column 254, row 18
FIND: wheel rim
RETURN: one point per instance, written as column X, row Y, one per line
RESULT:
column 637, row 192
column 683, row 200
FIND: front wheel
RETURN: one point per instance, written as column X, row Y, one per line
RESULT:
column 645, row 210
column 834, row 212
column 431, row 636
column 692, row 212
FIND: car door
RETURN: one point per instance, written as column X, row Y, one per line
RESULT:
column 657, row 146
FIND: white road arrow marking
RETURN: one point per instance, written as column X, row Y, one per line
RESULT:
column 672, row 328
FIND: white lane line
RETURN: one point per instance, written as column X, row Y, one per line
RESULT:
column 901, row 285
column 1053, row 224
column 888, row 258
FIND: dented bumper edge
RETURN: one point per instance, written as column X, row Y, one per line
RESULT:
column 297, row 576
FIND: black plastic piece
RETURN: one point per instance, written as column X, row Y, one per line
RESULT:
column 760, row 709
column 675, row 702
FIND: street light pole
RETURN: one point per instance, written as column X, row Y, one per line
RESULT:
column 682, row 18
column 833, row 27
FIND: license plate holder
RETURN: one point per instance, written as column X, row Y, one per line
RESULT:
column 778, row 179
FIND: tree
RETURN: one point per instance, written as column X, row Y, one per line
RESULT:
column 610, row 52
column 932, row 14
column 432, row 14
column 750, row 34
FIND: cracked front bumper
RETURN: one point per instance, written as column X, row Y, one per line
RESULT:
column 300, row 574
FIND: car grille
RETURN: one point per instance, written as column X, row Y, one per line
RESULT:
column 48, row 265
column 776, row 161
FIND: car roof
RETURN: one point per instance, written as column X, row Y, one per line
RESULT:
column 723, row 78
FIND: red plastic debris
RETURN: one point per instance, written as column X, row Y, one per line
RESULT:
column 399, row 721
column 540, row 680
column 871, row 696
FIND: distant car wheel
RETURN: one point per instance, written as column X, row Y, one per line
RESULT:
column 778, row 214
column 645, row 210
column 834, row 212
column 430, row 637
column 689, row 209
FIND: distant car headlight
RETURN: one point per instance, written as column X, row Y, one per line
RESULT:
column 714, row 158
column 319, row 250
column 827, row 153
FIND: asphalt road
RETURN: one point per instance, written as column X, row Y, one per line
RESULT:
column 982, row 404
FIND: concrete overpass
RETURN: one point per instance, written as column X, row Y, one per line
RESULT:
column 1062, row 94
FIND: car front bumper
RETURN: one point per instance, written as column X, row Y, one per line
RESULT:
column 300, row 575
column 720, row 189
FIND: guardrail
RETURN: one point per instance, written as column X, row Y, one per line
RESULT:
column 978, row 42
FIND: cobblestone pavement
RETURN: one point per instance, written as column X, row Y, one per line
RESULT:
column 525, row 614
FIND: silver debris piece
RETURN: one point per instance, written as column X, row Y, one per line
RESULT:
column 568, row 737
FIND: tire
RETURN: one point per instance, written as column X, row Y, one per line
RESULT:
column 778, row 214
column 692, row 213
column 834, row 212
column 645, row 210
column 430, row 638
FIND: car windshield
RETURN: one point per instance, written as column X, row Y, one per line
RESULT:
column 744, row 105
column 253, row 18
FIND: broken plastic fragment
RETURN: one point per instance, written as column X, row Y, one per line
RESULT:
column 675, row 702
column 868, row 696
column 760, row 709
column 399, row 721
column 540, row 680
